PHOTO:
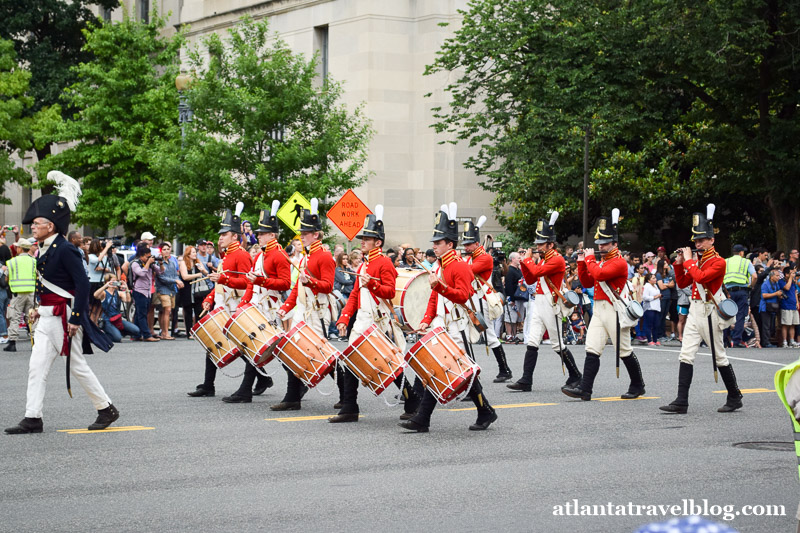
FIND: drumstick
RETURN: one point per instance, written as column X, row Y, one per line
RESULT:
column 426, row 269
column 367, row 275
column 198, row 280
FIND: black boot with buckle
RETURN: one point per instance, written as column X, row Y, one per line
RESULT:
column 105, row 417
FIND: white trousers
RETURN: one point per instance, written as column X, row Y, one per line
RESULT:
column 452, row 329
column 604, row 326
column 491, row 335
column 541, row 317
column 696, row 330
column 313, row 319
column 48, row 339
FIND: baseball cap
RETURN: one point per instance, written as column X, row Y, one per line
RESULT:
column 739, row 248
column 147, row 236
column 661, row 249
column 23, row 243
column 649, row 254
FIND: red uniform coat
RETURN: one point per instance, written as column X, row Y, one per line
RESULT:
column 457, row 286
column 482, row 264
column 277, row 270
column 234, row 259
column 553, row 266
column 378, row 266
column 613, row 270
column 320, row 269
column 709, row 271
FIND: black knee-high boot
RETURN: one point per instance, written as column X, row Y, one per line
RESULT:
column 681, row 403
column 526, row 381
column 410, row 398
column 486, row 413
column 590, row 368
column 504, row 373
column 636, row 387
column 575, row 375
column 734, row 400
column 207, row 387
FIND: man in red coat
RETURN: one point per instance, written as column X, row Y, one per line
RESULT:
column 546, row 311
column 482, row 265
column 450, row 291
column 368, row 304
column 230, row 286
column 269, row 276
column 706, row 276
column 316, row 282
column 609, row 278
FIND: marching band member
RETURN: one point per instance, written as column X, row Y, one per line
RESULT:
column 230, row 284
column 64, row 327
column 270, row 275
column 545, row 315
column 482, row 266
column 313, row 305
column 368, row 304
column 703, row 322
column 453, row 289
column 608, row 276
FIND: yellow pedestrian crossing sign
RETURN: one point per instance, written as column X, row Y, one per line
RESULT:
column 290, row 212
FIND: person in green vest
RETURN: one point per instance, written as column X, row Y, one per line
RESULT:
column 22, row 282
column 787, row 385
column 740, row 276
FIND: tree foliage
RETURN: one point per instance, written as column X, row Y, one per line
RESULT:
column 263, row 128
column 685, row 103
column 125, row 107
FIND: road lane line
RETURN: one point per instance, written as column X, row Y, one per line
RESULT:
column 303, row 418
column 504, row 406
column 709, row 355
column 618, row 399
column 84, row 431
column 745, row 391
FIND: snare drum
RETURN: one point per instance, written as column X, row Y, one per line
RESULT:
column 307, row 355
column 572, row 299
column 208, row 331
column 443, row 367
column 412, row 292
column 374, row 359
column 727, row 309
column 251, row 332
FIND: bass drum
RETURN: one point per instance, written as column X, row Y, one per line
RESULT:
column 412, row 292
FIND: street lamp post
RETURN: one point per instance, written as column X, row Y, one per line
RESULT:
column 182, row 82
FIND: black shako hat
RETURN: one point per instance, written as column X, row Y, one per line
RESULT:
column 268, row 220
column 309, row 218
column 472, row 232
column 232, row 221
column 702, row 225
column 373, row 225
column 445, row 225
column 544, row 229
column 56, row 208
column 607, row 228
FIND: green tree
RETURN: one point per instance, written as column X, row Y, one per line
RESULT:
column 18, row 131
column 263, row 128
column 684, row 103
column 125, row 107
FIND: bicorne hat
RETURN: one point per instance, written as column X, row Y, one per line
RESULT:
column 56, row 208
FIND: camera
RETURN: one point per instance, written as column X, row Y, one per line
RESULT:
column 116, row 284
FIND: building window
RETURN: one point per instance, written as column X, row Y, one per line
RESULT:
column 321, row 46
column 144, row 11
column 105, row 12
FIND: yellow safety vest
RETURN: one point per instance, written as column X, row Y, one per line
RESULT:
column 736, row 268
column 782, row 377
column 22, row 274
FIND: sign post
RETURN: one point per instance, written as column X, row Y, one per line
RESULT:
column 348, row 214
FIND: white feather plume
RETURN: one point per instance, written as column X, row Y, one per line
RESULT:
column 481, row 221
column 379, row 212
column 314, row 206
column 444, row 210
column 453, row 211
column 710, row 211
column 68, row 188
column 239, row 208
column 553, row 217
column 615, row 216
column 275, row 205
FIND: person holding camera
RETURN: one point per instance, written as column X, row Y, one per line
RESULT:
column 143, row 269
column 111, row 295
column 789, row 315
column 99, row 266
column 195, row 289
column 771, row 295
column 167, row 284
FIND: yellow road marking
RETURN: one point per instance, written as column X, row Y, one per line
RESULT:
column 84, row 431
column 303, row 418
column 505, row 406
column 746, row 391
column 618, row 399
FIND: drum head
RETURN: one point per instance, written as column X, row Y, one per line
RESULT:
column 728, row 309
column 635, row 309
column 413, row 293
column 572, row 298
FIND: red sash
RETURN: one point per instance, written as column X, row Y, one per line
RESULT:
column 59, row 304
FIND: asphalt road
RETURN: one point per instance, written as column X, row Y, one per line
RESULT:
column 203, row 465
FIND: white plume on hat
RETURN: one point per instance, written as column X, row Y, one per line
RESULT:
column 239, row 208
column 710, row 211
column 453, row 211
column 68, row 188
column 314, row 206
column 553, row 217
column 379, row 212
column 444, row 210
column 275, row 205
column 481, row 221
column 615, row 216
